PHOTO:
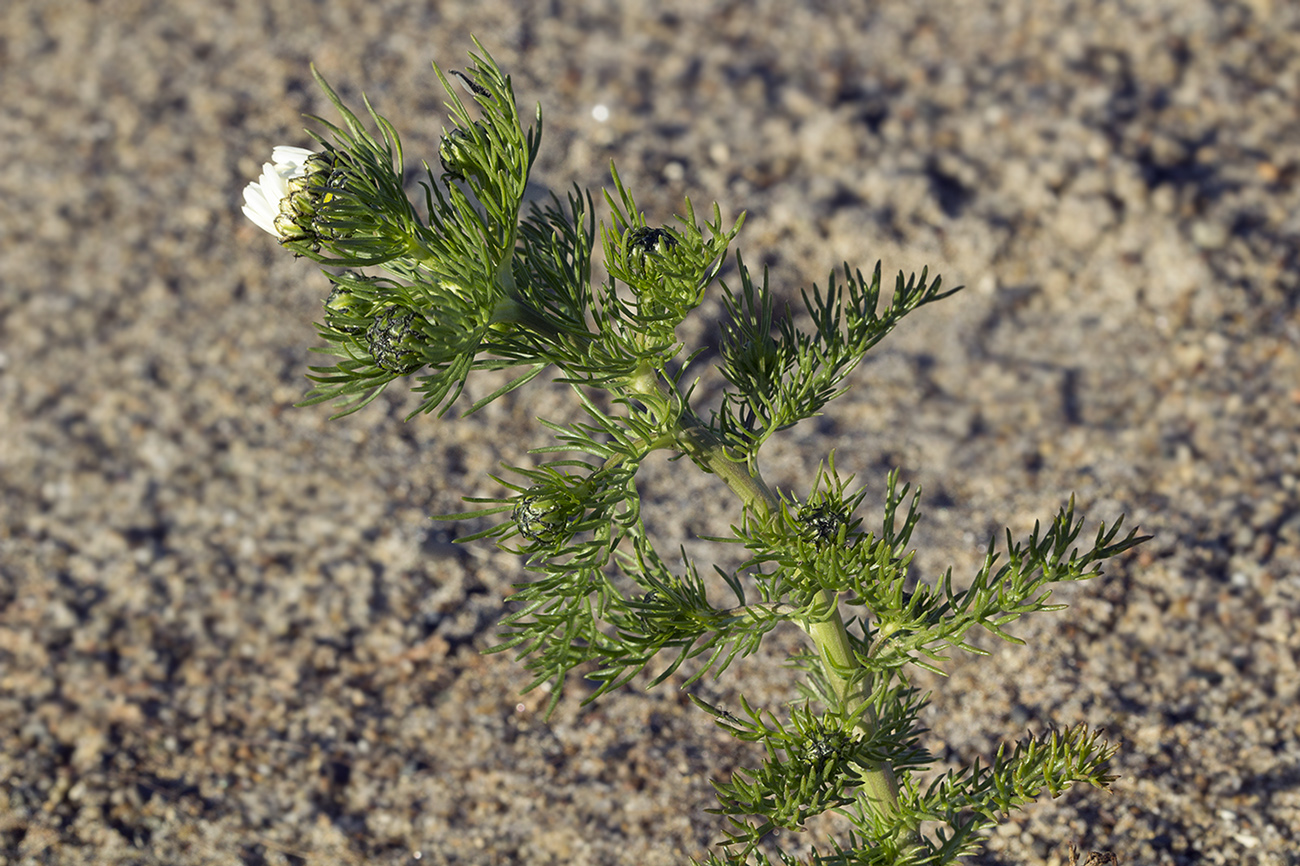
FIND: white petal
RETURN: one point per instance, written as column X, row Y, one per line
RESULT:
column 273, row 183
column 285, row 154
column 258, row 209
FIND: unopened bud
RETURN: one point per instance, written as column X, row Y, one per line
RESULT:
column 455, row 152
column 822, row 522
column 393, row 342
column 542, row 516
column 642, row 241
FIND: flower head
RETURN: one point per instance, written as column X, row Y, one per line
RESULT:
column 262, row 197
column 283, row 200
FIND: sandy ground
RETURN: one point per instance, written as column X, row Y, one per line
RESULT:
column 229, row 632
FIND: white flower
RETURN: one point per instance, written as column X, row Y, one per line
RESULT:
column 262, row 197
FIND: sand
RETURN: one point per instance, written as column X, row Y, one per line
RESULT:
column 229, row 632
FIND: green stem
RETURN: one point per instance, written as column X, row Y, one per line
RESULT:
column 838, row 663
column 704, row 447
column 697, row 441
column 829, row 634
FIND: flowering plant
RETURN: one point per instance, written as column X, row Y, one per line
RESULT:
column 480, row 285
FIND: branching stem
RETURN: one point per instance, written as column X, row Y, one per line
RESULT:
column 829, row 634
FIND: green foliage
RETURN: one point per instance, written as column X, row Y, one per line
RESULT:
column 479, row 283
column 781, row 380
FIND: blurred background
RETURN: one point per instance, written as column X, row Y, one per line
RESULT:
column 229, row 632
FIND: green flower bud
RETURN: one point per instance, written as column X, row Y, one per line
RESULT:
column 304, row 199
column 543, row 517
column 456, row 150
column 643, row 241
column 825, row 746
column 821, row 523
column 343, row 301
column 393, row 343
column 346, row 310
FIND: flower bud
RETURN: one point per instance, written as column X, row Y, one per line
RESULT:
column 346, row 309
column 393, row 343
column 643, row 241
column 821, row 523
column 542, row 516
column 824, row 746
column 455, row 152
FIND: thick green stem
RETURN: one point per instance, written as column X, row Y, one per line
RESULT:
column 838, row 663
column 829, row 633
column 700, row 443
column 704, row 447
